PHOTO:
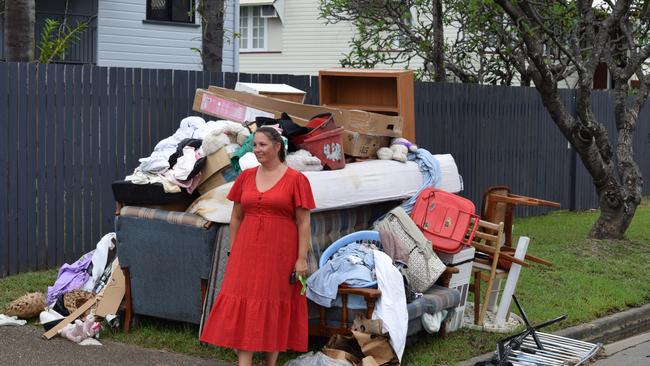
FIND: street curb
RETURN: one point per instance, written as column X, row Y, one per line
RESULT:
column 604, row 330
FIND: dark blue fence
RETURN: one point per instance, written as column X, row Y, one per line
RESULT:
column 68, row 131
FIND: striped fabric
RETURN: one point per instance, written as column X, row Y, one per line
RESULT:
column 328, row 226
column 217, row 268
column 172, row 217
column 435, row 299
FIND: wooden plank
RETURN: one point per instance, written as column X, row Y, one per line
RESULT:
column 104, row 141
column 191, row 88
column 70, row 318
column 206, row 80
column 78, row 173
column 31, row 151
column 279, row 79
column 147, row 136
column 264, row 78
column 138, row 151
column 120, row 125
column 59, row 163
column 244, row 77
column 24, row 198
column 70, row 189
column 230, row 79
column 130, row 158
column 12, row 189
column 109, row 160
column 154, row 108
column 86, row 156
column 164, row 84
column 41, row 178
column 4, row 172
column 216, row 79
column 179, row 95
column 177, row 104
column 50, row 143
column 97, row 86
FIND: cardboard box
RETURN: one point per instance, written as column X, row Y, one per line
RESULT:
column 221, row 177
column 219, row 107
column 277, row 91
column 212, row 174
column 363, row 146
column 113, row 292
column 352, row 120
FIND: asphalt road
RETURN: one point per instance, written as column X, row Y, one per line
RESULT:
column 24, row 346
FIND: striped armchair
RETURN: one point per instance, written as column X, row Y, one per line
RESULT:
column 165, row 257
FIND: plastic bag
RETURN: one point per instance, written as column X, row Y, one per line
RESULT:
column 316, row 359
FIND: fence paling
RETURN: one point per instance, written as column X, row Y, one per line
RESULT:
column 71, row 130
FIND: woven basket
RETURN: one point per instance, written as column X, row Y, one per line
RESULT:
column 27, row 306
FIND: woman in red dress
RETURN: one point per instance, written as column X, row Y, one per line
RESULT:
column 258, row 308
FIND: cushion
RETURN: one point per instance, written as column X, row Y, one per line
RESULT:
column 172, row 217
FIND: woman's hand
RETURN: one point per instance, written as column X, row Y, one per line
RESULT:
column 301, row 267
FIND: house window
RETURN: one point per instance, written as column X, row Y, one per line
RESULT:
column 180, row 11
column 252, row 29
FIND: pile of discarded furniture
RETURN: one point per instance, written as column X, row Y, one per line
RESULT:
column 172, row 216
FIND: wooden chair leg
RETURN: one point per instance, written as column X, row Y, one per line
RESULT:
column 442, row 332
column 344, row 310
column 477, row 296
column 486, row 301
column 128, row 304
column 370, row 303
column 204, row 292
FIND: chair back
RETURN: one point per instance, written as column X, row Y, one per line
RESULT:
column 357, row 236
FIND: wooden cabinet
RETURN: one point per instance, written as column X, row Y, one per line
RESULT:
column 381, row 91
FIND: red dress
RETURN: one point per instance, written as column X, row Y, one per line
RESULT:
column 257, row 309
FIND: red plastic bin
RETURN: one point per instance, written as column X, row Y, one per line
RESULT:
column 328, row 147
column 319, row 124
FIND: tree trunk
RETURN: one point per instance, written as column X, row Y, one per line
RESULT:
column 438, row 42
column 212, row 41
column 19, row 30
column 615, row 214
column 620, row 193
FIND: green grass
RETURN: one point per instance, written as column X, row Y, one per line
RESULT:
column 589, row 279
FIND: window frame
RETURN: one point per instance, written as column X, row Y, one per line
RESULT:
column 249, row 30
column 149, row 17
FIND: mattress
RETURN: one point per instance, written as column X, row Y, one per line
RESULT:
column 131, row 194
column 375, row 181
column 358, row 184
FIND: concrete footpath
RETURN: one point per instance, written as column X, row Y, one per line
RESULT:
column 633, row 351
column 24, row 346
column 605, row 330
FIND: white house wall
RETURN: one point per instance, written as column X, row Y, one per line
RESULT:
column 306, row 44
column 124, row 40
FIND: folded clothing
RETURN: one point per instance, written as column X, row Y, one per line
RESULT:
column 132, row 194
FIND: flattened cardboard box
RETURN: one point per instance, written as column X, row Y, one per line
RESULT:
column 212, row 173
column 352, row 120
column 363, row 146
column 216, row 106
column 277, row 91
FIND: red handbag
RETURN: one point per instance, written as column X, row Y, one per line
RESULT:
column 445, row 218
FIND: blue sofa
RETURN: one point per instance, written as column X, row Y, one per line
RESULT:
column 174, row 262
